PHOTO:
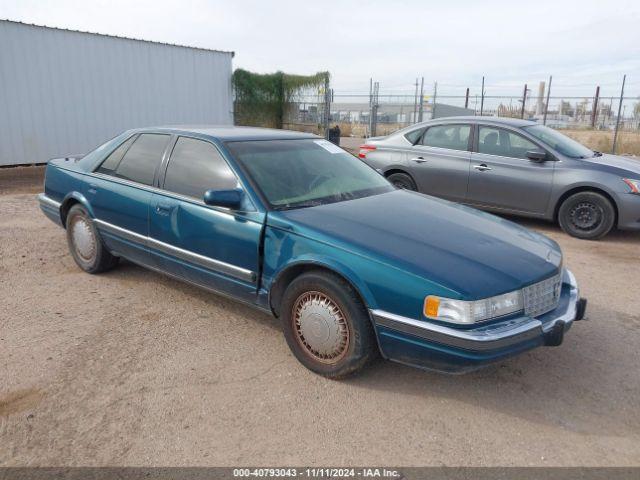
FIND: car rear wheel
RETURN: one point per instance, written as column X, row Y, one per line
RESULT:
column 326, row 325
column 586, row 215
column 85, row 243
column 403, row 180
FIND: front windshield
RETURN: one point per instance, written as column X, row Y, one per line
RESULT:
column 303, row 173
column 559, row 142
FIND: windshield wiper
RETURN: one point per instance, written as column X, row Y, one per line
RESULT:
column 310, row 203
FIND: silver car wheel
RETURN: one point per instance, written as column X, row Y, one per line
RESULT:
column 320, row 327
column 586, row 216
column 84, row 240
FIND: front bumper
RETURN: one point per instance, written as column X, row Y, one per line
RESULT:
column 628, row 211
column 457, row 350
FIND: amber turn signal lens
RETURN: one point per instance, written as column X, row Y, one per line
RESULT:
column 431, row 305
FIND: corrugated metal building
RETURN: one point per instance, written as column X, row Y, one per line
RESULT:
column 65, row 92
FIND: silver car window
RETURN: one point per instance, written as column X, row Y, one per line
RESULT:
column 453, row 137
column 497, row 141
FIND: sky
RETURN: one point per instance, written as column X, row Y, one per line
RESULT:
column 455, row 42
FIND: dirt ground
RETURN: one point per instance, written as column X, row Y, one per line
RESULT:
column 133, row 368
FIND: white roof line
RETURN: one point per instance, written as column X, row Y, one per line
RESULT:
column 116, row 36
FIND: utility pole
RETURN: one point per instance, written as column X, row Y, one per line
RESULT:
column 373, row 109
column 328, row 97
column 546, row 105
column 482, row 97
column 615, row 135
column 415, row 104
column 524, row 101
column 466, row 99
column 435, row 96
column 594, row 109
column 421, row 100
column 370, row 104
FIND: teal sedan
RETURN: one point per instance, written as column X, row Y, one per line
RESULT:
column 295, row 226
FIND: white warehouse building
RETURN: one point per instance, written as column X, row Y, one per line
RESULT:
column 65, row 92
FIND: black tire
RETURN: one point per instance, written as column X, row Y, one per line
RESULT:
column 85, row 244
column 587, row 215
column 351, row 353
column 403, row 180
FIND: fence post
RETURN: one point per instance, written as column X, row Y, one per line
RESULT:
column 482, row 97
column 435, row 97
column 615, row 134
column 415, row 104
column 466, row 99
column 327, row 107
column 594, row 109
column 373, row 107
column 546, row 105
column 421, row 100
column 524, row 100
column 370, row 104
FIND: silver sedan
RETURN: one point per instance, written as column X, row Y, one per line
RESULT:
column 513, row 166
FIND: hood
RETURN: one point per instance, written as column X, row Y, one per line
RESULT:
column 627, row 164
column 471, row 252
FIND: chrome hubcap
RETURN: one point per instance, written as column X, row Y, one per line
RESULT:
column 83, row 239
column 320, row 327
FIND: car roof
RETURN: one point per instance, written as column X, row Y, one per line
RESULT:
column 229, row 133
column 513, row 122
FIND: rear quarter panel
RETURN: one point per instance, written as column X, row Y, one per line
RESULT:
column 390, row 154
column 63, row 184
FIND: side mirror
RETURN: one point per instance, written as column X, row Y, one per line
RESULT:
column 224, row 198
column 537, row 155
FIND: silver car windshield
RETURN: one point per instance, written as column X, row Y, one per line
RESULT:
column 559, row 142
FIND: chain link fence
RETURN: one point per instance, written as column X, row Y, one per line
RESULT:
column 605, row 123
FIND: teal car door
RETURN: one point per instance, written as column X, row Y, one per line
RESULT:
column 212, row 246
column 502, row 177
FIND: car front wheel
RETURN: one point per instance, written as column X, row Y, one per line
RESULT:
column 587, row 215
column 326, row 325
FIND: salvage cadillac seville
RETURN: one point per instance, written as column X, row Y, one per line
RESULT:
column 295, row 226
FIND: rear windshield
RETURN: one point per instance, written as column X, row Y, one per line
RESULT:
column 305, row 173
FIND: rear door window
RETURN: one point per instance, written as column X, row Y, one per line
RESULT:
column 195, row 167
column 414, row 135
column 453, row 137
column 143, row 157
column 113, row 160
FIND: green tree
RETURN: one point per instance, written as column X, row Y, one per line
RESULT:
column 264, row 100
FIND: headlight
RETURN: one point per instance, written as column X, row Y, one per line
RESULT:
column 634, row 185
column 461, row 311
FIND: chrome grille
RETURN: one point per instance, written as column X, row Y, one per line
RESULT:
column 542, row 297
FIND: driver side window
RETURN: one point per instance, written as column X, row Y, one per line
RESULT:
column 195, row 167
column 497, row 141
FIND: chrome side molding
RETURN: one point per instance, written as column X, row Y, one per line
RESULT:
column 186, row 255
column 48, row 201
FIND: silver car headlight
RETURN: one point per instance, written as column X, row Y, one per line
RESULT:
column 468, row 312
column 634, row 185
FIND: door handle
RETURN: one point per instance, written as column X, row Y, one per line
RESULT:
column 482, row 167
column 92, row 189
column 163, row 209
column 418, row 159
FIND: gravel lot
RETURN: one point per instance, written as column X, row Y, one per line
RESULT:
column 133, row 368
